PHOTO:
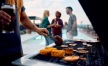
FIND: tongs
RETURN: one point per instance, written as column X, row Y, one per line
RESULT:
column 53, row 38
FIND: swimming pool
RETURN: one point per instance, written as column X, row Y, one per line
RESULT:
column 40, row 39
column 37, row 42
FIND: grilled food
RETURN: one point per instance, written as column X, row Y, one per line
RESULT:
column 80, row 48
column 58, row 53
column 47, row 50
column 60, row 40
column 89, row 45
column 51, row 48
column 84, row 43
column 71, row 58
column 64, row 46
column 72, row 44
column 68, row 51
column 82, row 51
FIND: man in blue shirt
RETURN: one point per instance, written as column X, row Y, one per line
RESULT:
column 72, row 24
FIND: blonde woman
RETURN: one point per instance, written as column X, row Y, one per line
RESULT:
column 46, row 24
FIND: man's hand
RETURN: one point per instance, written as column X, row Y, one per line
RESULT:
column 65, row 23
column 58, row 26
column 54, row 24
column 4, row 17
column 42, row 31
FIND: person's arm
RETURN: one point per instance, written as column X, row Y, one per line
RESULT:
column 47, row 24
column 50, row 26
column 61, row 24
column 53, row 23
column 66, row 23
column 58, row 26
column 28, row 24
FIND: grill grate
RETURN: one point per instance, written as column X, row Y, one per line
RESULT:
column 94, row 56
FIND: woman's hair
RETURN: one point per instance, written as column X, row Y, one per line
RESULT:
column 45, row 14
column 59, row 13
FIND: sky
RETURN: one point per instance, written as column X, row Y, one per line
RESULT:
column 37, row 7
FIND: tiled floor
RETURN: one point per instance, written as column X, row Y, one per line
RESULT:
column 33, row 42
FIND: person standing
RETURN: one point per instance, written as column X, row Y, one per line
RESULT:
column 46, row 24
column 72, row 24
column 10, row 42
column 58, row 25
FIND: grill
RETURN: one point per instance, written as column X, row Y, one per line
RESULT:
column 95, row 56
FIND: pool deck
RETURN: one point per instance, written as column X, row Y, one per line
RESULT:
column 26, row 37
column 38, row 42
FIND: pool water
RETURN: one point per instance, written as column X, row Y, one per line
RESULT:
column 40, row 39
